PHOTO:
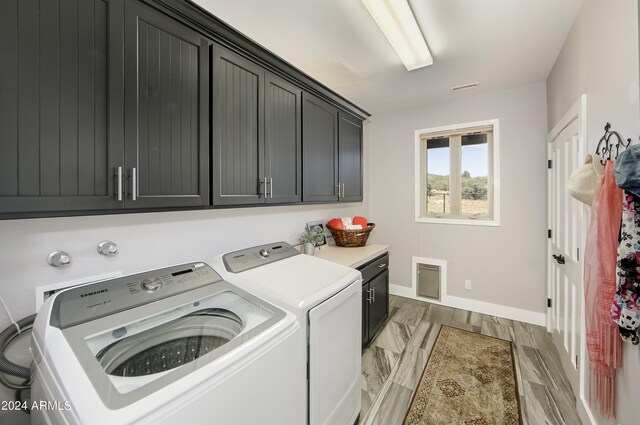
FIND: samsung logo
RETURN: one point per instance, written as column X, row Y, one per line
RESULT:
column 88, row 294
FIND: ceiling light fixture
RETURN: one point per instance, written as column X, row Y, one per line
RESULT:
column 399, row 26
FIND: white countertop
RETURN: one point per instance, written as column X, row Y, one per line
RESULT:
column 351, row 257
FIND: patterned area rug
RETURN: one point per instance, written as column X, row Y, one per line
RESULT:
column 469, row 379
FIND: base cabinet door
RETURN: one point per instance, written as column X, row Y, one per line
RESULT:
column 375, row 297
column 379, row 306
column 59, row 146
column 166, row 115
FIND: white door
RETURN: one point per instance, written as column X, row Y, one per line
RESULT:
column 567, row 224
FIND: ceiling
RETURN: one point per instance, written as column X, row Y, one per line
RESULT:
column 497, row 43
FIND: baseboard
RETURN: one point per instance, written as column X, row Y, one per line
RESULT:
column 506, row 312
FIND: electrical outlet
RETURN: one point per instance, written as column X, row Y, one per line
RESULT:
column 467, row 284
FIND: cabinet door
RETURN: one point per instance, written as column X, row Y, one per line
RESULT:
column 319, row 150
column 166, row 111
column 379, row 308
column 365, row 315
column 238, row 175
column 350, row 157
column 58, row 149
column 283, row 140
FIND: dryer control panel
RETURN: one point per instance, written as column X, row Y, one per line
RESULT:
column 89, row 302
column 250, row 258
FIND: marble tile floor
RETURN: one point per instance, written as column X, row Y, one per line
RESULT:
column 393, row 363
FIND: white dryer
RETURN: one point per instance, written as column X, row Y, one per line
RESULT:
column 170, row 346
column 326, row 297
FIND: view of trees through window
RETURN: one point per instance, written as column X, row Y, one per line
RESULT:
column 472, row 153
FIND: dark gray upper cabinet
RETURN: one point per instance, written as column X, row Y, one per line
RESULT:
column 319, row 150
column 165, row 111
column 257, row 135
column 58, row 145
column 350, row 157
column 117, row 105
column 332, row 153
column 283, row 140
column 238, row 175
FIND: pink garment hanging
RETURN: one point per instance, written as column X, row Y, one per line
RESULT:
column 603, row 340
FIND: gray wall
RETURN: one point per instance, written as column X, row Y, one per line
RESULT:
column 505, row 263
column 600, row 58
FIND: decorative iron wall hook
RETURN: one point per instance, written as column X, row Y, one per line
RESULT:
column 606, row 145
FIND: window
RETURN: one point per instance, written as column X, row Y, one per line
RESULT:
column 457, row 174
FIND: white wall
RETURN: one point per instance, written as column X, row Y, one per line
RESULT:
column 600, row 58
column 507, row 263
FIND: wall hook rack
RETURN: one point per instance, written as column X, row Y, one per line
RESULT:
column 606, row 144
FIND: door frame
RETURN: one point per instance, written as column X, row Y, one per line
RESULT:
column 577, row 112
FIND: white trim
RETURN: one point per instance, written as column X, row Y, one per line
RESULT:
column 495, row 171
column 577, row 112
column 526, row 316
column 463, row 221
column 498, row 310
column 414, row 274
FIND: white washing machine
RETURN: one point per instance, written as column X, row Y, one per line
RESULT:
column 170, row 346
column 326, row 297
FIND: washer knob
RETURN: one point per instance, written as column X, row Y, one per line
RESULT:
column 107, row 248
column 151, row 284
column 264, row 253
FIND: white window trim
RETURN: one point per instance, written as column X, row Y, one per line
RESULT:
column 419, row 218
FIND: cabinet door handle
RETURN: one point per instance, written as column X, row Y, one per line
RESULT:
column 119, row 182
column 263, row 191
column 382, row 265
column 338, row 187
column 373, row 293
column 134, row 184
column 369, row 297
column 271, row 187
column 343, row 190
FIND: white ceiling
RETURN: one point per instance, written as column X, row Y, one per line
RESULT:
column 498, row 43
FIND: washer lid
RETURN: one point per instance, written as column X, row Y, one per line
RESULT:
column 195, row 335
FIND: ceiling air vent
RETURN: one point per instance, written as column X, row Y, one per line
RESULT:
column 464, row 87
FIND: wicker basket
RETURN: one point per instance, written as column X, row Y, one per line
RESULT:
column 351, row 238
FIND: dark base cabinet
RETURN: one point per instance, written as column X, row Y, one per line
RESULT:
column 375, row 297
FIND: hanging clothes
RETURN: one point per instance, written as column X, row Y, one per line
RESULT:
column 624, row 310
column 603, row 341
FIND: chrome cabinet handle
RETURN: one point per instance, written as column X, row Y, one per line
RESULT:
column 134, row 184
column 343, row 190
column 373, row 293
column 338, row 187
column 263, row 191
column 370, row 299
column 119, row 182
column 271, row 187
column 382, row 266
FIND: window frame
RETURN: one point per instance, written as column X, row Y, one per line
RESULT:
column 455, row 158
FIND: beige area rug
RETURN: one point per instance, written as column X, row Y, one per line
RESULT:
column 469, row 379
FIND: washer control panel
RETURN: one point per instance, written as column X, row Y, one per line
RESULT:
column 89, row 302
column 250, row 258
